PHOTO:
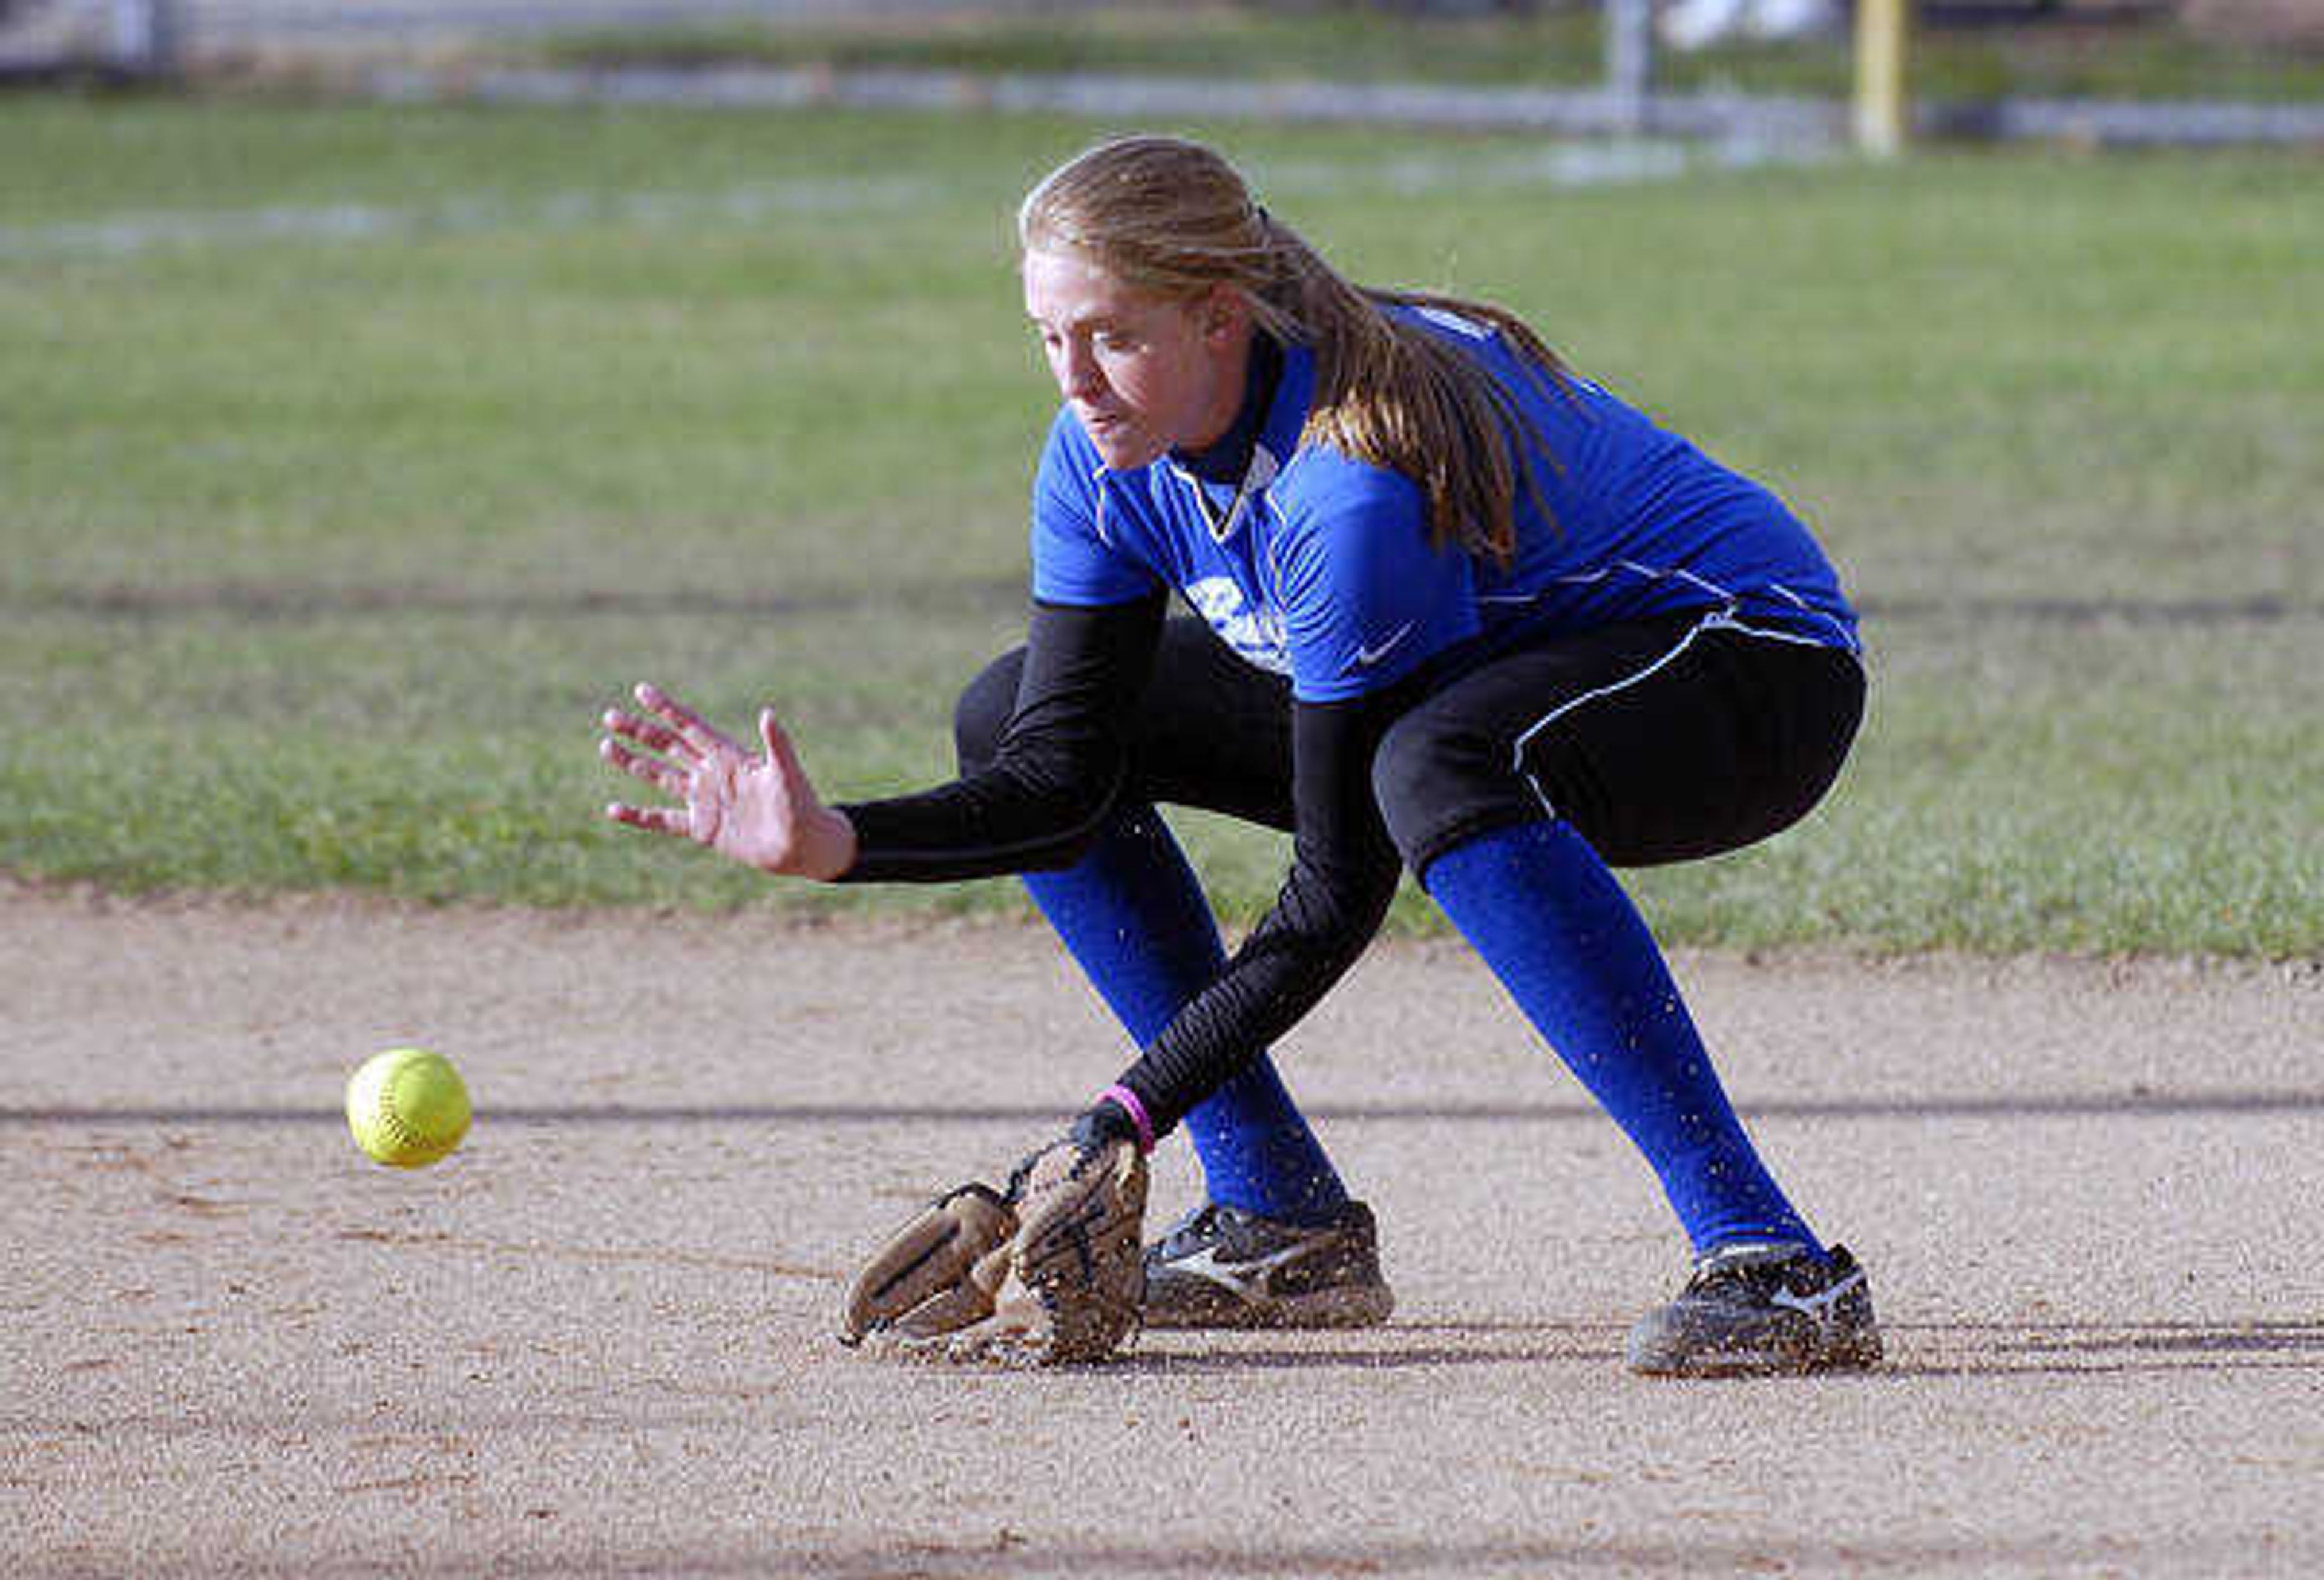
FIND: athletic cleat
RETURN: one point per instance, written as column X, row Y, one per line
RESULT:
column 1758, row 1309
column 1222, row 1267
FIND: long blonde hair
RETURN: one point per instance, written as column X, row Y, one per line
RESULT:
column 1173, row 216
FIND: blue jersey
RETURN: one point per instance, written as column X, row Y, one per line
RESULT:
column 1320, row 567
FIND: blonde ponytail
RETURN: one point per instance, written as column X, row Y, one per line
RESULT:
column 1174, row 218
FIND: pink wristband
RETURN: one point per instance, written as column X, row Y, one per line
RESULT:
column 1123, row 1098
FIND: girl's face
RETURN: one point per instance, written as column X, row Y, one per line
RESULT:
column 1143, row 372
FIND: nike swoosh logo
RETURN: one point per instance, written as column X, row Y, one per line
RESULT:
column 1818, row 1306
column 1243, row 1278
column 1368, row 657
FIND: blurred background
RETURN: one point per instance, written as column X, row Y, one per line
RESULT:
column 1976, row 67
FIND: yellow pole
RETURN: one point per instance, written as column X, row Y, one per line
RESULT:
column 1883, row 114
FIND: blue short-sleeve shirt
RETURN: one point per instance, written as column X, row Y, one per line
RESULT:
column 1320, row 567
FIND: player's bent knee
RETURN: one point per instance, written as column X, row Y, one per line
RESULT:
column 981, row 714
column 1439, row 781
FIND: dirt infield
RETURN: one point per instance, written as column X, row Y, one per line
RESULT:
column 597, row 1340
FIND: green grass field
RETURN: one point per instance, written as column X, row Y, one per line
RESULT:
column 356, row 457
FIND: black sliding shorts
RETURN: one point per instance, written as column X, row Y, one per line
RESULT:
column 1666, row 739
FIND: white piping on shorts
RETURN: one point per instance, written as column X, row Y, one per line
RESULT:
column 1727, row 597
column 1718, row 620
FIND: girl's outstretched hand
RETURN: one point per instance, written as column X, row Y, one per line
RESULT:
column 757, row 809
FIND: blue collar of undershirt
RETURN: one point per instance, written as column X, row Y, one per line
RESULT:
column 1228, row 459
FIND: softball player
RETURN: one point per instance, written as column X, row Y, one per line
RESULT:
column 1452, row 608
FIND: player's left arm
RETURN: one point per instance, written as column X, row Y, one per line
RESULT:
column 1343, row 875
column 1368, row 605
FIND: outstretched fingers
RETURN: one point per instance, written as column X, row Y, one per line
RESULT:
column 670, row 727
column 686, row 730
column 662, row 775
column 748, row 806
column 646, row 732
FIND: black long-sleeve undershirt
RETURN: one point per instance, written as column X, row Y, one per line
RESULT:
column 1060, row 770
column 1343, row 875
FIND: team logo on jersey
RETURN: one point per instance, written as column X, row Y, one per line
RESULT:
column 1257, row 634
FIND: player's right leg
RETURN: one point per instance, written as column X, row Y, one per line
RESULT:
column 1276, row 1242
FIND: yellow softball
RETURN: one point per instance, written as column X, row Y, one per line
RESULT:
column 407, row 1107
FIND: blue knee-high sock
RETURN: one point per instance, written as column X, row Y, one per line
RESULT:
column 1134, row 917
column 1559, row 932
